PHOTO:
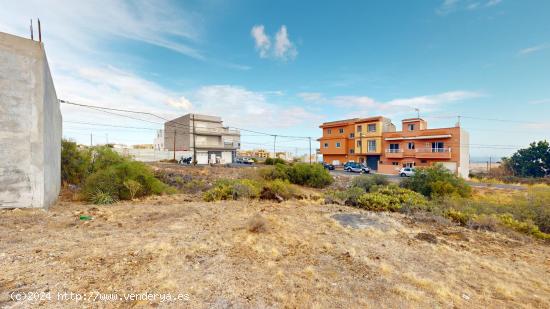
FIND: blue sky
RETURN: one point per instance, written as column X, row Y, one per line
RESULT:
column 286, row 66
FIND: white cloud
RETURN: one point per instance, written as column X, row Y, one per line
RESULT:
column 241, row 107
column 493, row 2
column 543, row 101
column 263, row 43
column 311, row 96
column 533, row 49
column 449, row 6
column 283, row 49
column 360, row 105
column 181, row 103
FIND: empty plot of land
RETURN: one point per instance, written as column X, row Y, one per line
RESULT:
column 294, row 254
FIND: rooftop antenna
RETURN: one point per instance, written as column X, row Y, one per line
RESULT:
column 39, row 31
column 417, row 112
column 32, row 36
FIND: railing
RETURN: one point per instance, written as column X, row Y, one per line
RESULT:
column 219, row 131
column 394, row 150
column 434, row 150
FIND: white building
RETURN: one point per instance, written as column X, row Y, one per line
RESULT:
column 205, row 135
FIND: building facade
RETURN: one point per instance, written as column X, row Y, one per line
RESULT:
column 205, row 135
column 357, row 139
column 375, row 142
column 416, row 146
column 158, row 143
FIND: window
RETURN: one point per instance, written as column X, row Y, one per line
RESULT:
column 437, row 147
column 408, row 166
column 337, row 144
column 359, row 128
column 395, row 163
column 371, row 127
column 352, row 151
column 326, row 145
column 341, row 130
column 371, row 147
column 358, row 143
column 423, row 161
column 351, row 135
column 329, row 131
column 411, row 126
column 394, row 148
column 411, row 145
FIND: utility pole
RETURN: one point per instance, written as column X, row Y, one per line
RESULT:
column 417, row 112
column 274, row 142
column 174, row 144
column 194, row 148
column 309, row 149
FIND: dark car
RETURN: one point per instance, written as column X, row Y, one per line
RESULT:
column 328, row 166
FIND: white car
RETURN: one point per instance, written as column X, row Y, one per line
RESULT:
column 406, row 172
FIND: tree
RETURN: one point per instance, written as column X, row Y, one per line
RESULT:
column 531, row 162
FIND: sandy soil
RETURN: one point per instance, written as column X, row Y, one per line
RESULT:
column 297, row 256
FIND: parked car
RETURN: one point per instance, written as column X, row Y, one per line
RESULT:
column 356, row 168
column 328, row 166
column 244, row 161
column 185, row 160
column 406, row 172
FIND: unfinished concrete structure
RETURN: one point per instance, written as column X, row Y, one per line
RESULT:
column 214, row 143
column 30, row 126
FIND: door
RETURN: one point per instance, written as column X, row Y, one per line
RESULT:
column 372, row 162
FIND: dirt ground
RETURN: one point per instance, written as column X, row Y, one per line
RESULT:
column 253, row 254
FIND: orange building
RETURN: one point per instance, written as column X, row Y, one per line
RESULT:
column 375, row 141
column 357, row 139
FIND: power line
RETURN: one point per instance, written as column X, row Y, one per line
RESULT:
column 152, row 114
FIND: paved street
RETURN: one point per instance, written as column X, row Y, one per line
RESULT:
column 397, row 179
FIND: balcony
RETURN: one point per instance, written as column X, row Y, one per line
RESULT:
column 216, row 131
column 433, row 153
column 394, row 153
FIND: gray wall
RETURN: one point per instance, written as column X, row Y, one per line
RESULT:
column 30, row 126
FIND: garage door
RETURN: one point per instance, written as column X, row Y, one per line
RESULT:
column 202, row 157
column 226, row 157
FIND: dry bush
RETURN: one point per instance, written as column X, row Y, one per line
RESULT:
column 257, row 224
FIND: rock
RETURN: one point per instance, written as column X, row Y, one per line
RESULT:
column 426, row 237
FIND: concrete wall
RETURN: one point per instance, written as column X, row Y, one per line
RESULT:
column 30, row 126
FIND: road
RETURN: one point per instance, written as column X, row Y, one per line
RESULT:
column 397, row 179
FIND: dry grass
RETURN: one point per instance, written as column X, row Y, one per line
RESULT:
column 258, row 254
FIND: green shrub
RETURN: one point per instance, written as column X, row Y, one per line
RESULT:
column 412, row 200
column 274, row 161
column 311, row 175
column 523, row 227
column 378, row 202
column 278, row 171
column 120, row 181
column 233, row 189
column 102, row 198
column 104, row 157
column 348, row 197
column 365, row 182
column 457, row 216
column 75, row 163
column 133, row 187
column 276, row 189
column 437, row 181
